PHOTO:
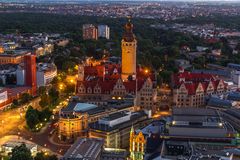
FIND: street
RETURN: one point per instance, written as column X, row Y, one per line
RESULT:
column 12, row 123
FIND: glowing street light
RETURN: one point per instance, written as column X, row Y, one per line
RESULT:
column 146, row 71
column 61, row 86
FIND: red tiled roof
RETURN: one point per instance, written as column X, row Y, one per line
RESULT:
column 192, row 87
column 113, row 71
column 108, row 85
column 192, row 77
column 131, row 85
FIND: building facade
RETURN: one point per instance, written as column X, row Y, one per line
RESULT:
column 14, row 58
column 75, row 118
column 115, row 128
column 136, row 145
column 90, row 32
column 45, row 73
column 192, row 89
column 103, row 31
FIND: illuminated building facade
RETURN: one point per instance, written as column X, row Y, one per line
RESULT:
column 1, row 50
column 129, row 50
column 136, row 145
column 115, row 128
column 191, row 89
column 73, row 126
column 75, row 118
column 13, row 58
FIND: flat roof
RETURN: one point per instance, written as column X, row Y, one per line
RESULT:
column 115, row 116
column 85, row 148
column 15, row 53
column 135, row 118
column 187, row 111
column 213, row 119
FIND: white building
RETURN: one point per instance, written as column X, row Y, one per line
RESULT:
column 3, row 95
column 103, row 31
column 45, row 73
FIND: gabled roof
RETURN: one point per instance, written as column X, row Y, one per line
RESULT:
column 192, row 86
column 193, row 80
column 108, row 85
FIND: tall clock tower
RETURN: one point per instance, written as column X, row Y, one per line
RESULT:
column 129, row 50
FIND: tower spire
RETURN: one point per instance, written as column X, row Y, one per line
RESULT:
column 132, row 129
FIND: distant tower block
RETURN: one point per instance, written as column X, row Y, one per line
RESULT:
column 129, row 50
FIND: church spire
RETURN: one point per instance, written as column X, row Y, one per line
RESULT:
column 132, row 129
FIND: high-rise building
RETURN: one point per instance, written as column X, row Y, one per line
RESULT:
column 30, row 72
column 90, row 32
column 103, row 31
column 129, row 49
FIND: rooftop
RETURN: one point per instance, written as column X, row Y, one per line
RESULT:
column 218, row 102
column 135, row 118
column 79, row 107
column 194, row 111
column 85, row 149
column 15, row 53
column 115, row 116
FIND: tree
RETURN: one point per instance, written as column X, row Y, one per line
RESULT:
column 44, row 100
column 238, row 47
column 70, row 88
column 21, row 153
column 32, row 117
column 42, row 156
column 68, row 65
column 25, row 97
column 39, row 156
column 165, row 76
column 45, row 115
column 42, row 90
column 15, row 102
column 53, row 95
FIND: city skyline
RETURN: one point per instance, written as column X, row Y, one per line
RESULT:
column 126, row 80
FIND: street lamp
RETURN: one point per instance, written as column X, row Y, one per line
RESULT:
column 146, row 71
